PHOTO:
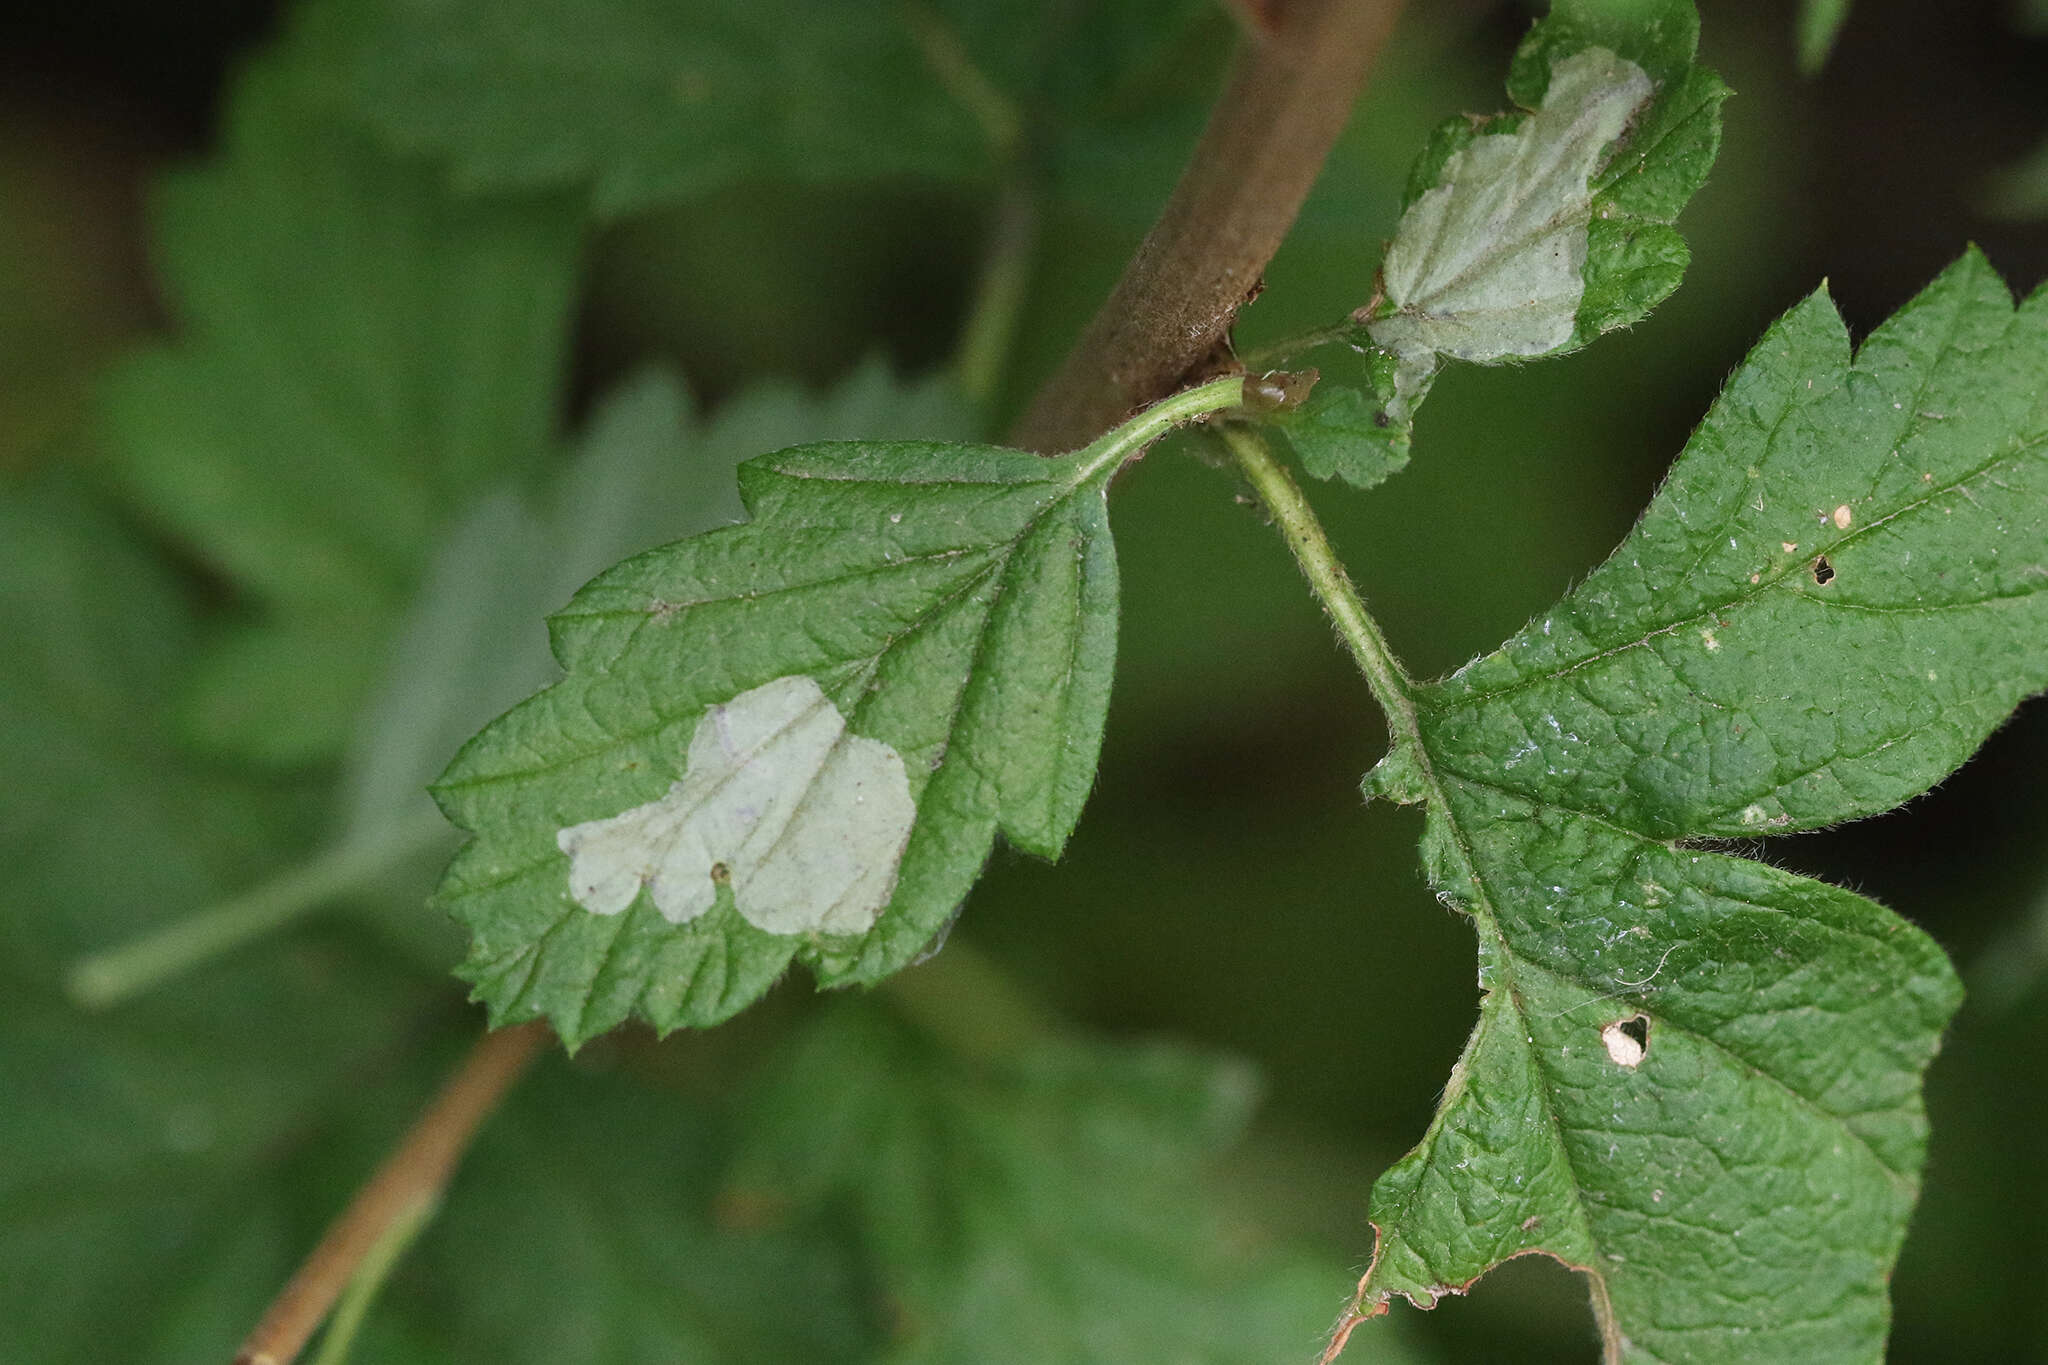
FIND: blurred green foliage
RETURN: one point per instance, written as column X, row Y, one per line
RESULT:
column 164, row 1165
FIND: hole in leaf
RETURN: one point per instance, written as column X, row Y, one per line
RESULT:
column 1823, row 572
column 1380, row 419
column 1627, row 1041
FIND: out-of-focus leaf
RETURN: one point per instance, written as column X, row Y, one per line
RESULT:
column 1820, row 23
column 645, row 103
column 273, row 687
column 102, row 828
column 165, row 1165
column 580, row 1229
column 1045, row 1205
column 137, row 1149
column 146, row 1156
column 358, row 356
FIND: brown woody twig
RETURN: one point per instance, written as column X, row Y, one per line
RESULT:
column 1265, row 143
column 416, row 1172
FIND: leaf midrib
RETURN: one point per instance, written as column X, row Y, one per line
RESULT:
column 1404, row 718
column 1748, row 594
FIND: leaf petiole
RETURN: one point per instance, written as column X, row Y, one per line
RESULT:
column 1303, row 532
column 991, row 326
column 1120, row 443
column 106, row 978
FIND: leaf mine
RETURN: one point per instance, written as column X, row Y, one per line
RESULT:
column 1491, row 262
column 806, row 822
column 1627, row 1041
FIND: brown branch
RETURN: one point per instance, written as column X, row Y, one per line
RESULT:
column 416, row 1172
column 1278, row 118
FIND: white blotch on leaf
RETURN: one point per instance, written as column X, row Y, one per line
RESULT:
column 805, row 822
column 1624, row 1049
column 1491, row 262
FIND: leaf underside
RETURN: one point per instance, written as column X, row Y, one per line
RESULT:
column 1836, row 596
column 1528, row 234
column 955, row 603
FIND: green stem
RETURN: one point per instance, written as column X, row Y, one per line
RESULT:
column 999, row 294
column 1111, row 449
column 1393, row 689
column 369, row 1278
column 109, row 977
column 1002, row 122
column 1326, row 578
column 405, row 1188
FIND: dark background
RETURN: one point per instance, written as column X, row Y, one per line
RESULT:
column 1226, row 884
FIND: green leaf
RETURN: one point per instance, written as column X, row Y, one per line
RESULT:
column 1490, row 263
column 359, row 356
column 648, row 104
column 472, row 643
column 279, row 688
column 152, row 1187
column 1820, row 23
column 1531, row 233
column 165, row 1166
column 1695, row 1076
column 893, row 613
column 1041, row 1205
column 943, row 617
column 647, row 471
column 469, row 644
column 1351, row 426
column 1833, row 597
column 151, row 1199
